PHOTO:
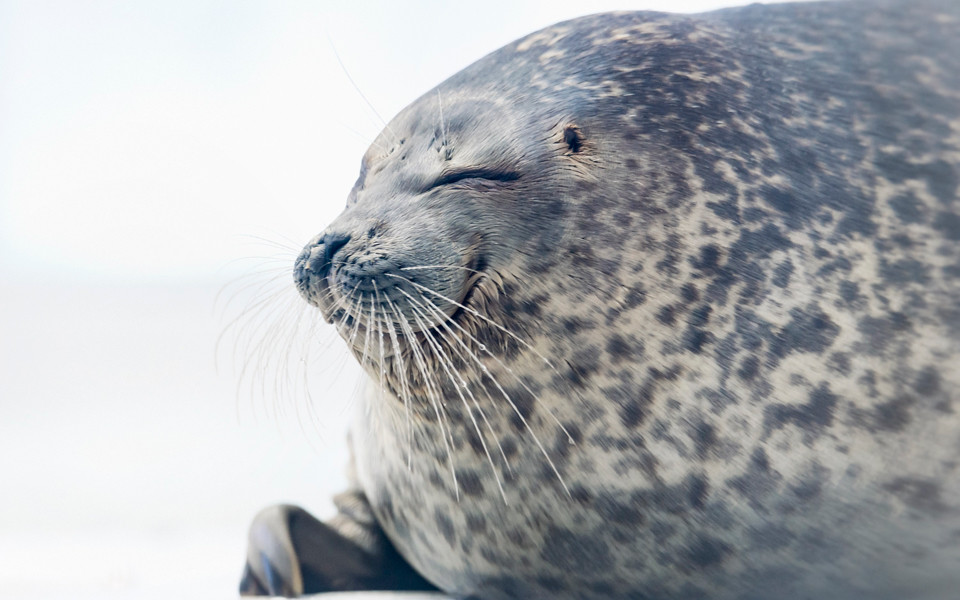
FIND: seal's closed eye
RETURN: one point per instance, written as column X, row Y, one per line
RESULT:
column 488, row 174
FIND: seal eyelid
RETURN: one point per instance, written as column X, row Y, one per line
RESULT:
column 456, row 175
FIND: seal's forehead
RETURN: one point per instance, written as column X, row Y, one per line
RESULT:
column 450, row 126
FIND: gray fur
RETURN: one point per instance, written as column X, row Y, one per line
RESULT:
column 730, row 243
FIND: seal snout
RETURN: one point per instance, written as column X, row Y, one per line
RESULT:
column 315, row 261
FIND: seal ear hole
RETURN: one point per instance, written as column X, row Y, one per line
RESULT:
column 573, row 138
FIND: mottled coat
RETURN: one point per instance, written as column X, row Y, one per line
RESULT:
column 730, row 245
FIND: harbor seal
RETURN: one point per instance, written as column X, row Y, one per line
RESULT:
column 655, row 307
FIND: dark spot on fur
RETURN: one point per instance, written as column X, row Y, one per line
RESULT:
column 758, row 481
column 699, row 316
column 878, row 332
column 672, row 249
column 704, row 438
column 518, row 538
column 849, row 291
column 583, row 364
column 812, row 417
column 781, row 274
column 509, row 447
column 706, row 552
column 908, row 208
column 581, row 495
column 532, row 306
column 568, row 551
column 903, row 272
column 689, row 293
column 922, row 495
column 617, row 511
column 562, row 440
column 635, row 297
column 524, row 404
column 623, row 348
column 667, row 315
column 697, row 490
column 839, row 362
column 476, row 444
column 445, row 526
column 869, row 381
column 726, row 209
column 749, row 368
column 470, row 482
column 927, row 382
column 893, row 415
column 476, row 523
column 575, row 324
column 809, row 330
column 810, row 487
column 948, row 224
column 695, row 339
column 633, row 411
column 708, row 260
column 671, row 373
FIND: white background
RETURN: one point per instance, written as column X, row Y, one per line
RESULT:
column 144, row 148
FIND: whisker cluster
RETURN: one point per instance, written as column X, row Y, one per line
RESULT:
column 428, row 347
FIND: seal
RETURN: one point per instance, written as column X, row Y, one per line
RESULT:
column 655, row 306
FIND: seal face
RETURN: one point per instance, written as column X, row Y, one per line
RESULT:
column 663, row 306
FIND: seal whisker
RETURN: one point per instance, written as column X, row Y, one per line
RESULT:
column 475, row 313
column 251, row 316
column 257, row 321
column 404, row 392
column 386, row 125
column 356, row 323
column 285, row 244
column 256, row 281
column 519, row 413
column 367, row 333
column 273, row 320
column 443, row 128
column 447, row 364
column 433, row 396
column 343, row 303
column 483, row 415
column 484, row 348
column 423, row 267
column 376, row 294
column 364, row 137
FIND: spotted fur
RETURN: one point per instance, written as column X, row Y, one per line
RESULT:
column 726, row 248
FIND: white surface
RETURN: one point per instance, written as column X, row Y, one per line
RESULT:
column 141, row 144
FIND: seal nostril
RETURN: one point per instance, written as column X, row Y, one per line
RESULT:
column 331, row 243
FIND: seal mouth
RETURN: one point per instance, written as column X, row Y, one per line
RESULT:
column 398, row 303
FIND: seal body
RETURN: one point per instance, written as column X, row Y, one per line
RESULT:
column 662, row 306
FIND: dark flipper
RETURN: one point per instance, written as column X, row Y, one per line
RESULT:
column 291, row 553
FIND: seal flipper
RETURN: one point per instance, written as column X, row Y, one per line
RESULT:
column 291, row 553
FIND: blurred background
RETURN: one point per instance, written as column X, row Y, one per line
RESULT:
column 161, row 163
